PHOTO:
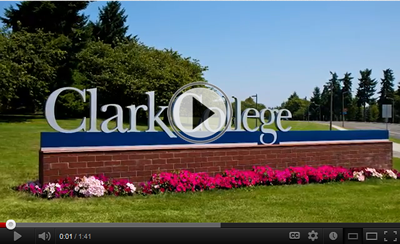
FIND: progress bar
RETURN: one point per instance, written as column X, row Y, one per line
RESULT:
column 209, row 225
column 275, row 233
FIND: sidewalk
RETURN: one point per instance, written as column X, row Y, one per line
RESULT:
column 338, row 127
column 396, row 146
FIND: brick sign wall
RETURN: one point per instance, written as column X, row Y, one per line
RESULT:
column 138, row 163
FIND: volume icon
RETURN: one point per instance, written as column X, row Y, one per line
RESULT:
column 45, row 236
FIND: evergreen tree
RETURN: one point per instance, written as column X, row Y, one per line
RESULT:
column 316, row 97
column 61, row 18
column 366, row 90
column 346, row 91
column 110, row 28
column 293, row 96
column 337, row 97
column 315, row 105
column 325, row 102
column 56, row 17
column 387, row 90
column 352, row 111
column 334, row 93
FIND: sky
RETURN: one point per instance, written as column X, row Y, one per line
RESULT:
column 271, row 48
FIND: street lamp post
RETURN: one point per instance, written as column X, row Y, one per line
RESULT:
column 344, row 92
column 256, row 96
column 331, row 117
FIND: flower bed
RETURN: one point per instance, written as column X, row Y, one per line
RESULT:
column 184, row 181
column 80, row 187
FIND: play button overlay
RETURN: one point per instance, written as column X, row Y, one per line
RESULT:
column 202, row 110
column 199, row 112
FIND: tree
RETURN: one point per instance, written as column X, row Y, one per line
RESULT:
column 249, row 103
column 124, row 73
column 297, row 106
column 373, row 112
column 41, row 50
column 346, row 92
column 293, row 95
column 337, row 98
column 353, row 110
column 110, row 28
column 292, row 103
column 366, row 90
column 301, row 114
column 55, row 17
column 61, row 18
column 325, row 102
column 316, row 97
column 387, row 90
column 315, row 104
column 333, row 86
column 29, row 64
column 396, row 105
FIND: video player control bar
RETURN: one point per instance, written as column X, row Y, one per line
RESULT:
column 225, row 233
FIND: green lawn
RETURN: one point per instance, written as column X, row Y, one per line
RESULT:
column 395, row 140
column 40, row 124
column 333, row 202
column 396, row 163
column 296, row 125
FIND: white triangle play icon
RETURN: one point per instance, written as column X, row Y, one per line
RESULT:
column 16, row 236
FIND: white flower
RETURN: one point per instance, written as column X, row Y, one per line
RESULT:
column 90, row 186
column 374, row 173
column 391, row 174
column 76, row 188
column 359, row 175
column 50, row 189
column 156, row 186
column 132, row 187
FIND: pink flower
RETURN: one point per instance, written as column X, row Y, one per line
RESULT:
column 183, row 181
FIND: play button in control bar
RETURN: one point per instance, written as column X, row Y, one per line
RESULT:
column 17, row 236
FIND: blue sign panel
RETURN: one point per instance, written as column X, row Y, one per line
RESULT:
column 84, row 139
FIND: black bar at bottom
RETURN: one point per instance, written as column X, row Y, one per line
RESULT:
column 298, row 234
column 159, row 235
column 185, row 235
column 310, row 225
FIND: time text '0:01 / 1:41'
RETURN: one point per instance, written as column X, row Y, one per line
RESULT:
column 70, row 236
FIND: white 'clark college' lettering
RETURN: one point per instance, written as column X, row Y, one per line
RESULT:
column 275, row 116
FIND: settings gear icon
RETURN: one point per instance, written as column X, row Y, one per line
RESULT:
column 313, row 235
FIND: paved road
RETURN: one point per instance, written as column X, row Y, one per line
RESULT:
column 394, row 130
